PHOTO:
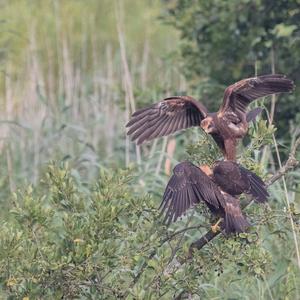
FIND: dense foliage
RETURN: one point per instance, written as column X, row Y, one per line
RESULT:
column 224, row 41
column 105, row 240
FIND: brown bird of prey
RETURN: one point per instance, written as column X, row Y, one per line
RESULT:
column 217, row 188
column 226, row 126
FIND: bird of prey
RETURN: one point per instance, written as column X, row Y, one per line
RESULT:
column 226, row 126
column 217, row 188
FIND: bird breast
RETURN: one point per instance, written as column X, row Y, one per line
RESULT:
column 208, row 125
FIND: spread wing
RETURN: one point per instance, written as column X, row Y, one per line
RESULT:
column 187, row 187
column 165, row 117
column 238, row 96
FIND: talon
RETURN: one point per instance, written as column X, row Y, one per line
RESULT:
column 215, row 228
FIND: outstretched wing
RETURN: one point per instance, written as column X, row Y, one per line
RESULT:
column 165, row 117
column 187, row 187
column 238, row 96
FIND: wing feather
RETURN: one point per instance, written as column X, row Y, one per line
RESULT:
column 155, row 130
column 139, row 127
column 187, row 187
column 176, row 121
column 172, row 114
column 238, row 96
column 234, row 179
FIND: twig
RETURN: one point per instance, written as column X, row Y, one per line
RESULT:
column 287, row 198
column 273, row 103
column 153, row 252
column 150, row 156
column 170, row 153
column 174, row 251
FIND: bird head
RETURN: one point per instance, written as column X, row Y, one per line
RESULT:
column 208, row 125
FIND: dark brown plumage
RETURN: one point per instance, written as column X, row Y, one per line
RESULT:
column 236, row 180
column 165, row 117
column 189, row 185
column 226, row 126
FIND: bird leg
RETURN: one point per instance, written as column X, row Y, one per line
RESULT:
column 206, row 169
column 215, row 228
column 230, row 149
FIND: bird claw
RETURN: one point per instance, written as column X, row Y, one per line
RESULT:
column 215, row 228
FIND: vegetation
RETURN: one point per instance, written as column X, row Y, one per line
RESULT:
column 65, row 238
column 79, row 202
column 224, row 41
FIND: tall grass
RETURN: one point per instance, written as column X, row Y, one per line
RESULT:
column 70, row 81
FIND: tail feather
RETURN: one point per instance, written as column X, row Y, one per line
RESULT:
column 236, row 224
column 235, row 221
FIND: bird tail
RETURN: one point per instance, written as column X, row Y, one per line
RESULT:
column 235, row 221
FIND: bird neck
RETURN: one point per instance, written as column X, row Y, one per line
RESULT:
column 206, row 169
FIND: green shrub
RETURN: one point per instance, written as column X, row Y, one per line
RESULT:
column 67, row 239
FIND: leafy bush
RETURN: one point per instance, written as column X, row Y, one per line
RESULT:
column 74, row 240
column 103, row 240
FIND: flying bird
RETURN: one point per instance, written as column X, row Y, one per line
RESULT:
column 226, row 126
column 217, row 188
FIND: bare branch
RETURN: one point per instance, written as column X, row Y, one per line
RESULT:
column 153, row 252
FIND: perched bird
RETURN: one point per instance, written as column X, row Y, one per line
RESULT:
column 217, row 188
column 235, row 180
column 226, row 126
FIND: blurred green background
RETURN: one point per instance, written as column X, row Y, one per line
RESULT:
column 64, row 84
column 72, row 72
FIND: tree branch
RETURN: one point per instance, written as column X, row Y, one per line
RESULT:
column 153, row 252
column 290, row 164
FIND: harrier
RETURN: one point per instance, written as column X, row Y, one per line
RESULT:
column 227, row 125
column 217, row 188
